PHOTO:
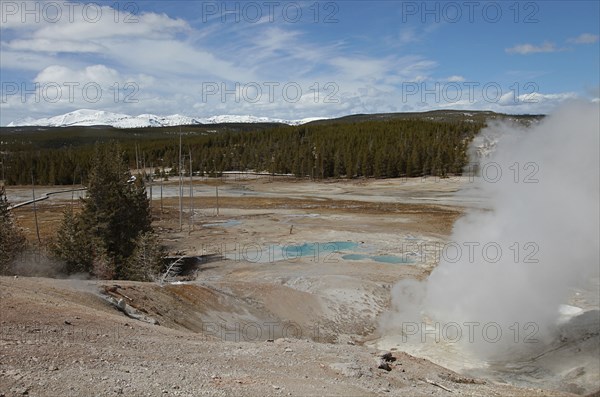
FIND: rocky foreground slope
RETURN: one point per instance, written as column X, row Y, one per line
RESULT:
column 63, row 338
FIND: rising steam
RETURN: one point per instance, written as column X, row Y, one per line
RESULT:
column 546, row 201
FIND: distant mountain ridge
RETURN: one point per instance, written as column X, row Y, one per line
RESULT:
column 91, row 118
column 88, row 117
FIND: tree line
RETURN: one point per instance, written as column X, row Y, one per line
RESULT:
column 380, row 149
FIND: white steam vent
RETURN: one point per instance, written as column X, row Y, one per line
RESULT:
column 504, row 282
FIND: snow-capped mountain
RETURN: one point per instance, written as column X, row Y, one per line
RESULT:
column 87, row 117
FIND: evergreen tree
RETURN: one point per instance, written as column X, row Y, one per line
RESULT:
column 12, row 239
column 73, row 244
column 116, row 212
column 146, row 261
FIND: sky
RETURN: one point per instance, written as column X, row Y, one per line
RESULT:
column 295, row 60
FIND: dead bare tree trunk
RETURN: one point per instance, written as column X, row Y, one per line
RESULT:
column 151, row 183
column 73, row 190
column 217, row 194
column 37, row 227
column 162, row 179
column 180, row 186
column 191, row 193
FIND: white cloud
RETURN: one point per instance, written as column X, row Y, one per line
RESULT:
column 455, row 79
column 151, row 43
column 30, row 61
column 54, row 46
column 408, row 35
column 173, row 59
column 535, row 98
column 356, row 68
column 170, row 62
column 536, row 103
column 97, row 73
column 103, row 23
column 525, row 49
column 585, row 38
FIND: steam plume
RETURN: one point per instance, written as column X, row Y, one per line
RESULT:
column 546, row 201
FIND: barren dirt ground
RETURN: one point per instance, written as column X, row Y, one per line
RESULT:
column 293, row 278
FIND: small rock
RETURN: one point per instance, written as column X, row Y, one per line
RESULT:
column 20, row 390
column 276, row 387
column 384, row 365
column 288, row 350
column 68, row 322
column 387, row 357
column 351, row 370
